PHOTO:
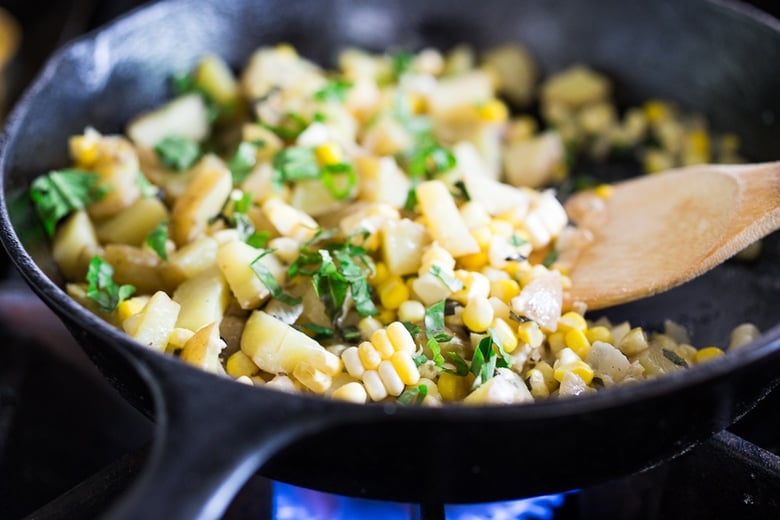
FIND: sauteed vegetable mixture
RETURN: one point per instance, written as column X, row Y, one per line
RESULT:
column 384, row 231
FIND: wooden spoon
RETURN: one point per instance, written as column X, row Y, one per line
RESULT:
column 655, row 232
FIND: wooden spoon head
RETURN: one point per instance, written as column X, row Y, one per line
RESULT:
column 661, row 230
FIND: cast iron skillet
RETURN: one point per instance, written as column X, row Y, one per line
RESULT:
column 213, row 433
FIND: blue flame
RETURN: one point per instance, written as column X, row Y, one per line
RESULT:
column 295, row 503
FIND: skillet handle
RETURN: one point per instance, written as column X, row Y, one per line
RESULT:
column 212, row 434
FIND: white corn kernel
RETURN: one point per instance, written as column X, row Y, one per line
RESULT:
column 312, row 378
column 352, row 362
column 351, row 392
column 374, row 386
column 369, row 356
column 390, row 378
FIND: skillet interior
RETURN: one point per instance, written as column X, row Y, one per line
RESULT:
column 706, row 56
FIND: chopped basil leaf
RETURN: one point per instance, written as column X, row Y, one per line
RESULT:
column 438, row 359
column 293, row 164
column 452, row 283
column 462, row 191
column 177, row 152
column 550, row 258
column 518, row 318
column 147, row 189
column 506, row 360
column 319, row 331
column 483, row 364
column 401, row 62
column 101, row 287
column 674, row 358
column 413, row 329
column 270, row 282
column 516, row 241
column 411, row 199
column 414, row 395
column 351, row 334
column 157, row 240
column 335, row 90
column 340, row 179
column 258, row 239
column 434, row 323
column 461, row 367
column 419, row 359
column 61, row 192
column 243, row 160
column 290, row 127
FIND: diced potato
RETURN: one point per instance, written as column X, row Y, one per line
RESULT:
column 575, row 87
column 541, row 300
column 535, row 162
column 516, row 71
column 235, row 259
column 185, row 116
column 114, row 159
column 288, row 221
column 381, row 180
column 496, row 197
column 154, row 323
column 214, row 77
column 133, row 225
column 370, row 218
column 136, row 266
column 608, row 363
column 194, row 258
column 74, row 236
column 314, row 198
column 281, row 67
column 271, row 143
column 277, row 347
column 387, row 137
column 203, row 299
column 403, row 243
column 203, row 348
column 657, row 360
column 471, row 88
column 203, row 199
column 444, row 221
column 505, row 387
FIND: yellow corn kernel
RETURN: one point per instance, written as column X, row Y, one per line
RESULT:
column 386, row 316
column 599, row 333
column 500, row 309
column 239, row 364
column 393, row 292
column 382, row 343
column 504, row 334
column 529, row 332
column 576, row 340
column 505, row 290
column 352, row 392
column 367, row 326
column 401, row 338
column 352, row 362
column 380, row 274
column 549, row 374
column 453, row 387
column 569, row 361
column 435, row 254
column 474, row 261
column 84, row 149
column 417, row 103
column 557, row 341
column 698, row 143
column 286, row 49
column 656, row 110
column 374, row 386
column 405, row 368
column 411, row 311
column 707, row 353
column 571, row 320
column 328, row 153
column 130, row 306
column 493, row 111
column 478, row 314
column 656, row 160
column 315, row 380
column 369, row 356
column 482, row 235
column 603, row 191
column 390, row 378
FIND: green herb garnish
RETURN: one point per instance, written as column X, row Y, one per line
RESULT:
column 243, row 160
column 434, row 323
column 158, row 238
column 335, row 90
column 147, row 189
column 550, row 258
column 270, row 282
column 290, row 127
column 483, row 363
column 414, row 395
column 452, row 283
column 61, row 192
column 293, row 164
column 516, row 241
column 340, row 179
column 438, row 359
column 461, row 367
column 177, row 152
column 101, row 287
column 401, row 62
column 674, row 358
column 320, row 332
